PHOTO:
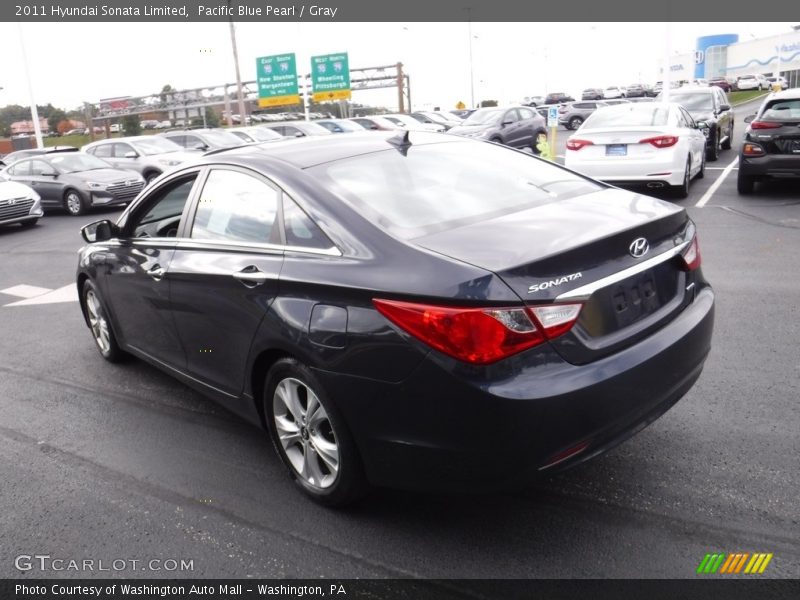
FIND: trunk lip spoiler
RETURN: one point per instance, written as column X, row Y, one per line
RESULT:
column 583, row 292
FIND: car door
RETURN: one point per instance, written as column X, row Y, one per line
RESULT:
column 45, row 180
column 697, row 141
column 124, row 156
column 136, row 278
column 224, row 275
column 512, row 129
column 528, row 124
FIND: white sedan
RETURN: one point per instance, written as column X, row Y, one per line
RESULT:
column 654, row 144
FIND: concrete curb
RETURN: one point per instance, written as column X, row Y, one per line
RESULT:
column 751, row 100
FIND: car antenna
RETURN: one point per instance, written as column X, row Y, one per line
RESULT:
column 401, row 141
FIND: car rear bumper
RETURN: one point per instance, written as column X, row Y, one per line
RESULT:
column 454, row 428
column 771, row 166
column 631, row 171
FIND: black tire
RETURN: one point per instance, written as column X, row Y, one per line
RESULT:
column 575, row 122
column 726, row 145
column 496, row 140
column 149, row 176
column 745, row 184
column 74, row 203
column 348, row 483
column 108, row 346
column 29, row 224
column 712, row 149
column 702, row 172
column 682, row 191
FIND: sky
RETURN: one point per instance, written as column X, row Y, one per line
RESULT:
column 91, row 61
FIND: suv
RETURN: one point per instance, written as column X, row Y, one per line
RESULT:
column 781, row 81
column 203, row 138
column 592, row 94
column 771, row 146
column 516, row 126
column 635, row 90
column 150, row 155
column 752, row 82
column 573, row 115
column 558, row 97
column 708, row 106
column 720, row 82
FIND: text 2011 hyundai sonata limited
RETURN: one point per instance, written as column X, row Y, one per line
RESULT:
column 406, row 309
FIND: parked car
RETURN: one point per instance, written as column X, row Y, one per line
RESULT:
column 255, row 134
column 12, row 157
column 77, row 131
column 75, row 181
column 19, row 203
column 771, row 146
column 375, row 123
column 297, row 128
column 463, row 113
column 635, row 90
column 615, row 101
column 614, row 92
column 752, row 82
column 115, row 128
column 558, row 98
column 516, row 126
column 526, row 101
column 780, row 81
column 720, row 82
column 568, row 311
column 433, row 118
column 340, row 126
column 709, row 106
column 412, row 124
column 592, row 94
column 203, row 138
column 657, row 145
column 573, row 115
column 150, row 155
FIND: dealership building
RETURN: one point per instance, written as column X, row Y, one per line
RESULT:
column 725, row 55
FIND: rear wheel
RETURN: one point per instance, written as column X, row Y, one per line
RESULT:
column 712, row 150
column 575, row 122
column 745, row 184
column 682, row 190
column 310, row 436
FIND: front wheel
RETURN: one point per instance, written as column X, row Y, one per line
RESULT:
column 712, row 150
column 702, row 172
column 99, row 324
column 74, row 204
column 310, row 436
column 726, row 145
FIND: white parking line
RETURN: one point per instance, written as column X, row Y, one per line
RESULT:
column 68, row 293
column 714, row 186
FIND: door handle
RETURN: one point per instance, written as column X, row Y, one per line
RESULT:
column 157, row 272
column 251, row 276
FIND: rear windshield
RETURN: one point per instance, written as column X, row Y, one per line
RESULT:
column 433, row 187
column 782, row 110
column 628, row 114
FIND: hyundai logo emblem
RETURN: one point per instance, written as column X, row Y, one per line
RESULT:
column 12, row 201
column 639, row 247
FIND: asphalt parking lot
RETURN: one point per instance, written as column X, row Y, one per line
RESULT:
column 101, row 461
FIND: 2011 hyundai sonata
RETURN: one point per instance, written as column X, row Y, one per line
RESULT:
column 405, row 308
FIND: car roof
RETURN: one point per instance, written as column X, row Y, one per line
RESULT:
column 790, row 94
column 313, row 150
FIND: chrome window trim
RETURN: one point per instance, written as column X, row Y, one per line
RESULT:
column 203, row 244
column 583, row 292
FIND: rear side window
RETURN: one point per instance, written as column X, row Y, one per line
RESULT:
column 421, row 189
column 300, row 230
column 103, row 150
column 782, row 110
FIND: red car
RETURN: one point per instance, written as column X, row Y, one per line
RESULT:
column 720, row 82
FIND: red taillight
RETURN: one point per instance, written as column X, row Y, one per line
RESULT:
column 752, row 150
column 573, row 144
column 691, row 256
column 764, row 125
column 480, row 335
column 661, row 141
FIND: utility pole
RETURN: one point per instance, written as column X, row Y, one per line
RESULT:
column 37, row 128
column 400, row 85
column 242, row 111
column 471, row 68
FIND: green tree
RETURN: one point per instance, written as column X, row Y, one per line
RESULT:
column 487, row 103
column 131, row 125
column 212, row 118
column 166, row 97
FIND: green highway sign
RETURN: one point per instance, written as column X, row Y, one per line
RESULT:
column 330, row 77
column 277, row 80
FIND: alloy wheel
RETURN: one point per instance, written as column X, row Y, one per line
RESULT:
column 97, row 322
column 305, row 433
column 74, row 203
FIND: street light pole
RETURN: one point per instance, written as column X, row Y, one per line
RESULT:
column 37, row 129
column 471, row 69
column 242, row 111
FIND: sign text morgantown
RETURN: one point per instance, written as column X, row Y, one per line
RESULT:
column 105, row 10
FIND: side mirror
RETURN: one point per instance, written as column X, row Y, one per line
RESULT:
column 131, row 154
column 99, row 231
column 200, row 146
column 724, row 107
column 299, row 134
column 749, row 118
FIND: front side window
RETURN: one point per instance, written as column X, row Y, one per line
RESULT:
column 39, row 167
column 120, row 150
column 160, row 216
column 234, row 206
